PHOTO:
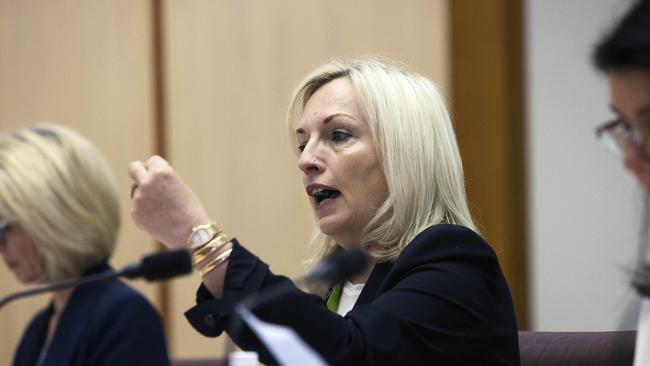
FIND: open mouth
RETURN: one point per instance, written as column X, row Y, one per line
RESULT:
column 323, row 195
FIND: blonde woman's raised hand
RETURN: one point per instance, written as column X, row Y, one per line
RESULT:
column 163, row 205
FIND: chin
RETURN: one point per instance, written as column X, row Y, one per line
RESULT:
column 27, row 278
column 331, row 227
column 22, row 279
column 327, row 230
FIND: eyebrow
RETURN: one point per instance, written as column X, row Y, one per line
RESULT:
column 640, row 113
column 326, row 120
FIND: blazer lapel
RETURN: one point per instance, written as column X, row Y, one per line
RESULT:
column 32, row 342
column 69, row 332
column 70, row 335
column 373, row 285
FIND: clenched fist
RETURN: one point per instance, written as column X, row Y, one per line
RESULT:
column 163, row 205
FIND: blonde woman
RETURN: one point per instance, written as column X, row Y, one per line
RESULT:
column 59, row 219
column 381, row 168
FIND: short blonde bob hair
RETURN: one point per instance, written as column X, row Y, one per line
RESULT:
column 417, row 149
column 59, row 189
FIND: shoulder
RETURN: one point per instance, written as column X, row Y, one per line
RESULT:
column 119, row 309
column 449, row 251
column 116, row 308
column 448, row 257
column 122, row 316
column 118, row 297
column 447, row 242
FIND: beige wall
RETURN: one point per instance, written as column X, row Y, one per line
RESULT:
column 85, row 64
column 230, row 68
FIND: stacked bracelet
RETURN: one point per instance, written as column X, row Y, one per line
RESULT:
column 210, row 247
column 216, row 262
column 206, row 243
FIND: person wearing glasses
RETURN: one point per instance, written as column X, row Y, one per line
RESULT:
column 381, row 169
column 59, row 219
column 624, row 55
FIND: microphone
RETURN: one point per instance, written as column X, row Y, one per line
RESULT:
column 160, row 266
column 336, row 268
column 153, row 267
column 339, row 267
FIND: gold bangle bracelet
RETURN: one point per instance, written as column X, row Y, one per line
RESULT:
column 216, row 262
column 209, row 248
column 198, row 258
column 223, row 238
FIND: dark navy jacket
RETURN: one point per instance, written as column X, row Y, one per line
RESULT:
column 107, row 323
column 444, row 301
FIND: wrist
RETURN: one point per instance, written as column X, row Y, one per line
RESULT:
column 201, row 235
column 210, row 247
column 188, row 227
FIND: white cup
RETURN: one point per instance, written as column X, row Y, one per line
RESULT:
column 241, row 358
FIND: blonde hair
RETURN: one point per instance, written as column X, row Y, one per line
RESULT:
column 59, row 189
column 417, row 149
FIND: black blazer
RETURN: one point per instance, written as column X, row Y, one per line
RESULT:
column 107, row 323
column 444, row 301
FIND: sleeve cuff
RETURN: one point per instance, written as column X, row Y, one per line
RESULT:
column 208, row 314
column 204, row 318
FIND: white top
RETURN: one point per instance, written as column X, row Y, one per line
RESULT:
column 349, row 297
column 642, row 348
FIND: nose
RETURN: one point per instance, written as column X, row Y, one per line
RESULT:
column 309, row 161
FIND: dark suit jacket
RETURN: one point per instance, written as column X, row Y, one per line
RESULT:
column 444, row 301
column 107, row 323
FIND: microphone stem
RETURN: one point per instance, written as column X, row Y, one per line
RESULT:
column 60, row 286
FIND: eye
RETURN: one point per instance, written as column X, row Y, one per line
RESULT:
column 623, row 128
column 340, row 136
column 625, row 125
column 301, row 146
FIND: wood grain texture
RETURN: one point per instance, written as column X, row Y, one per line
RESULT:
column 231, row 67
column 488, row 109
column 84, row 64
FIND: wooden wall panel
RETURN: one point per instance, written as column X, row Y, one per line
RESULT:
column 215, row 100
column 85, row 64
column 231, row 66
column 488, row 107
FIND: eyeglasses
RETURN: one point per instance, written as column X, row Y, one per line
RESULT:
column 5, row 226
column 618, row 134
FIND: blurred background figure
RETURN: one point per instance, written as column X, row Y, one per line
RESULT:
column 624, row 55
column 59, row 219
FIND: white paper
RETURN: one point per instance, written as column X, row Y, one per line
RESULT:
column 283, row 342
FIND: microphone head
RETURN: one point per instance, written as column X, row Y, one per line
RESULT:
column 340, row 266
column 165, row 265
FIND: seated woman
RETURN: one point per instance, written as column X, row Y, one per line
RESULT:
column 60, row 216
column 381, row 168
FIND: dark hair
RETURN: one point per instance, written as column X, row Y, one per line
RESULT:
column 628, row 44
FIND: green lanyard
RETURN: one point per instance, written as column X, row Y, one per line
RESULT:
column 335, row 298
